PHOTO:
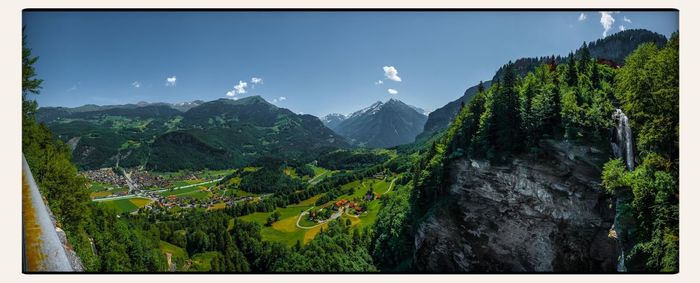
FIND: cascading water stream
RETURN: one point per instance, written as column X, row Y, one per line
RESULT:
column 623, row 147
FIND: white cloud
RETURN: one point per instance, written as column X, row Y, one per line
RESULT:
column 582, row 17
column 379, row 82
column 392, row 91
column 607, row 20
column 274, row 100
column 240, row 87
column 256, row 80
column 622, row 28
column 170, row 81
column 283, row 98
column 391, row 73
column 237, row 89
column 136, row 84
column 626, row 19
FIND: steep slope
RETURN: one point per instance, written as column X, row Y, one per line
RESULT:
column 613, row 48
column 545, row 213
column 382, row 125
column 226, row 133
column 440, row 119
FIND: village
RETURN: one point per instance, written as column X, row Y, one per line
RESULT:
column 159, row 192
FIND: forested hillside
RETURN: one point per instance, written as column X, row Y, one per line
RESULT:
column 574, row 101
column 216, row 135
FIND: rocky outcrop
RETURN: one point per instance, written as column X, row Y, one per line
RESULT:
column 539, row 213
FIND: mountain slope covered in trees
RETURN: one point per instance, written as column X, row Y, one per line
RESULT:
column 574, row 103
column 216, row 134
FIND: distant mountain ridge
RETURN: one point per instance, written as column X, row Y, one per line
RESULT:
column 333, row 120
column 50, row 113
column 382, row 124
column 223, row 133
column 439, row 119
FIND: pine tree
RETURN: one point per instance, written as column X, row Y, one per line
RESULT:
column 585, row 59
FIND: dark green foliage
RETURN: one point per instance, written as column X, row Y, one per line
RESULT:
column 186, row 150
column 392, row 238
column 616, row 47
column 269, row 180
column 214, row 135
column 351, row 159
column 119, row 244
column 647, row 87
column 331, row 251
column 440, row 119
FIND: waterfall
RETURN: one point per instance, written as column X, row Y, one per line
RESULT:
column 622, row 147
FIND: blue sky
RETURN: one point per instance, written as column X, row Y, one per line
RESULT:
column 310, row 62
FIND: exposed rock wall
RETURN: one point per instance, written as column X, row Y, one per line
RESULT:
column 545, row 213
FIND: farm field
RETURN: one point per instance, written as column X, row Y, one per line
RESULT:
column 286, row 231
column 182, row 192
column 126, row 205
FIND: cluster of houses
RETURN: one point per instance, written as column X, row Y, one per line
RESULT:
column 357, row 207
column 105, row 176
column 144, row 179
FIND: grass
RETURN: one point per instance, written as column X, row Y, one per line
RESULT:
column 291, row 172
column 215, row 174
column 140, row 202
column 285, row 230
column 195, row 195
column 216, row 206
column 180, row 191
column 202, row 261
column 308, row 202
column 319, row 174
column 186, row 183
column 126, row 205
column 99, row 187
column 173, row 249
column 100, row 194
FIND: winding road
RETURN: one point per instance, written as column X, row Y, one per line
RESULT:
column 337, row 214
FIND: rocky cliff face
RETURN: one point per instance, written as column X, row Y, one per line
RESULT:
column 544, row 213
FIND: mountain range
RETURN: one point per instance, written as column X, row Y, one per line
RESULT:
column 218, row 134
column 382, row 124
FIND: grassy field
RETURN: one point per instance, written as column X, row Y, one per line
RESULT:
column 100, row 194
column 126, row 205
column 195, row 195
column 202, row 261
column 286, row 231
column 178, row 254
column 185, row 183
column 216, row 206
column 319, row 174
column 181, row 192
